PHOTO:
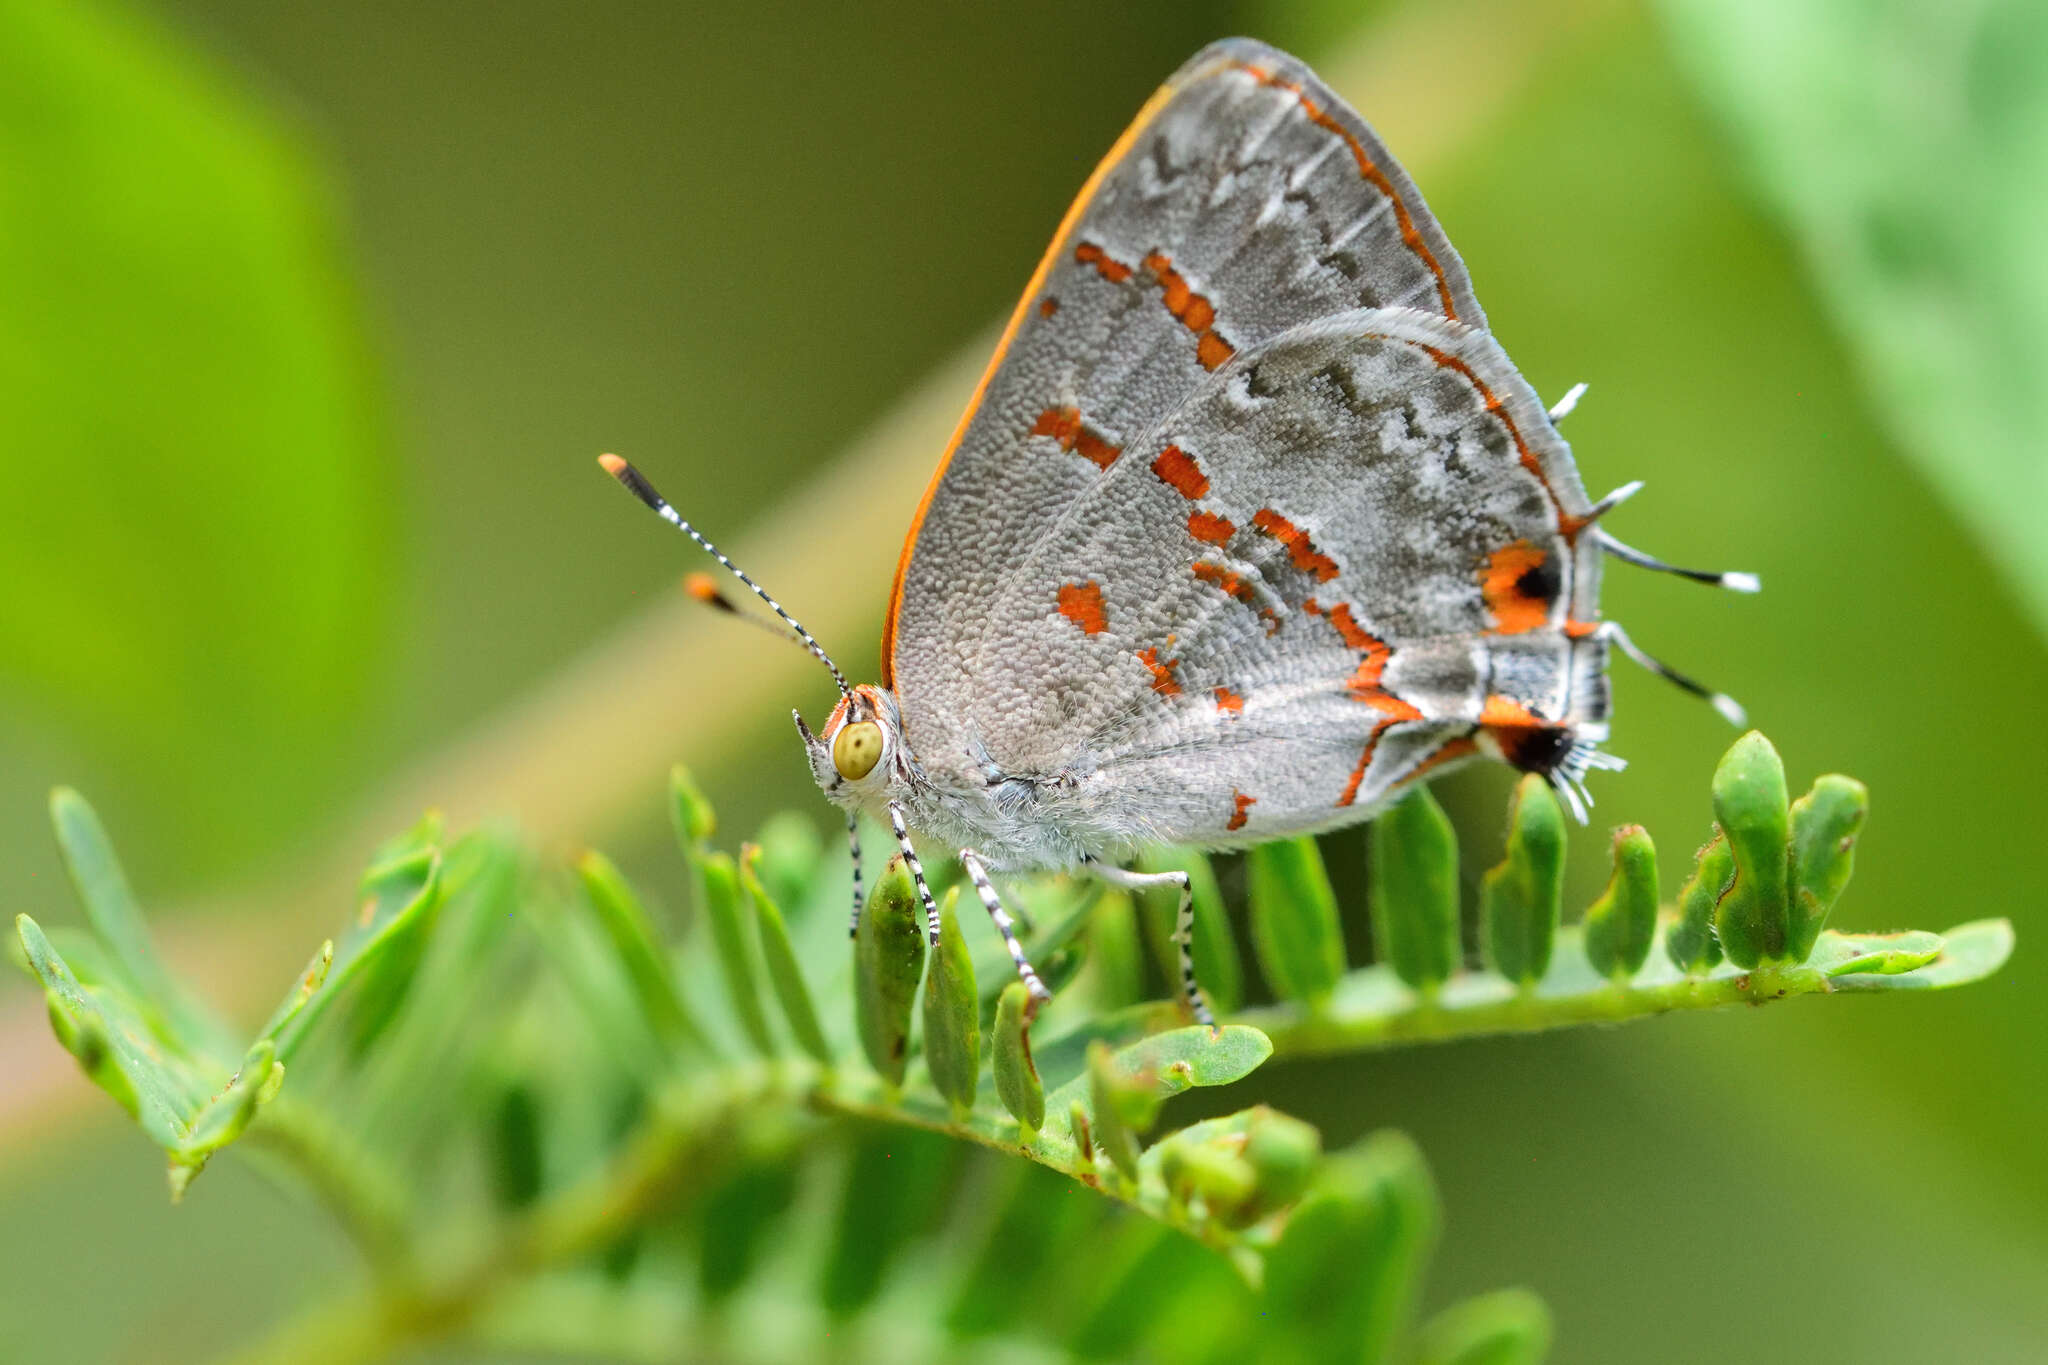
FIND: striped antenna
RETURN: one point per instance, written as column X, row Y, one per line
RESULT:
column 636, row 484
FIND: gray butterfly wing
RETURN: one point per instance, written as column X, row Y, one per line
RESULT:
column 1351, row 553
column 1244, row 200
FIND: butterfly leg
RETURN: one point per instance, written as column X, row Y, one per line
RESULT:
column 853, row 847
column 978, row 874
column 1183, row 925
column 924, row 890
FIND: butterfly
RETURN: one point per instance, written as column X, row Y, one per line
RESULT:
column 1250, row 527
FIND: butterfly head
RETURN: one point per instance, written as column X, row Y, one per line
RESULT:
column 859, row 758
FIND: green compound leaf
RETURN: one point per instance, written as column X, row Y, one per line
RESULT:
column 636, row 944
column 227, row 1115
column 303, row 990
column 1294, row 919
column 117, row 923
column 888, row 959
column 1412, row 889
column 1753, row 919
column 952, row 1015
column 1521, row 900
column 1506, row 1327
column 779, row 955
column 379, row 949
column 790, row 850
column 1621, row 925
column 104, row 1031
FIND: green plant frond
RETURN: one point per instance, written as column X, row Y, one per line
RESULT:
column 485, row 1057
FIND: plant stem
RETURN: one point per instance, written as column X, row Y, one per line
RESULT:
column 1371, row 1008
column 365, row 1197
column 674, row 1150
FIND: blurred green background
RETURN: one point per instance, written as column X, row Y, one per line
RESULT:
column 316, row 315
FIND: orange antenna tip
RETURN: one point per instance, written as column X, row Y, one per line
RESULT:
column 613, row 465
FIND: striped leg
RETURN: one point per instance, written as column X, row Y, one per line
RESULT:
column 978, row 874
column 1183, row 925
column 853, row 846
column 924, row 891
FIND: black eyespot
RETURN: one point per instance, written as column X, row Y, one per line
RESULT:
column 1539, row 582
column 1535, row 749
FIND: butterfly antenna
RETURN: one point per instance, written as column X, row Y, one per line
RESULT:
column 1734, row 582
column 1730, row 708
column 702, row 587
column 636, row 484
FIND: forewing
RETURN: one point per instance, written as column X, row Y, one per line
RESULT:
column 1345, row 551
column 1246, row 199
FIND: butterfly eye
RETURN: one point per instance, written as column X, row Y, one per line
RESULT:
column 857, row 749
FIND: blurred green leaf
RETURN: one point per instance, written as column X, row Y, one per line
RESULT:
column 779, row 955
column 198, row 529
column 117, row 922
column 718, row 878
column 1294, row 919
column 1506, row 1327
column 114, row 1046
column 1344, row 1275
column 637, row 945
column 1911, row 167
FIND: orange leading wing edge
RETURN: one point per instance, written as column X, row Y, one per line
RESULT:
column 1031, row 291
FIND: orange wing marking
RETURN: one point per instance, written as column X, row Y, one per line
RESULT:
column 1209, row 528
column 1065, row 426
column 1229, row 703
column 1410, row 234
column 1392, row 712
column 1081, row 603
column 1177, row 470
column 1106, row 265
column 1194, row 310
column 1162, row 673
column 1230, row 583
column 1300, row 548
column 1243, row 806
column 1514, row 608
